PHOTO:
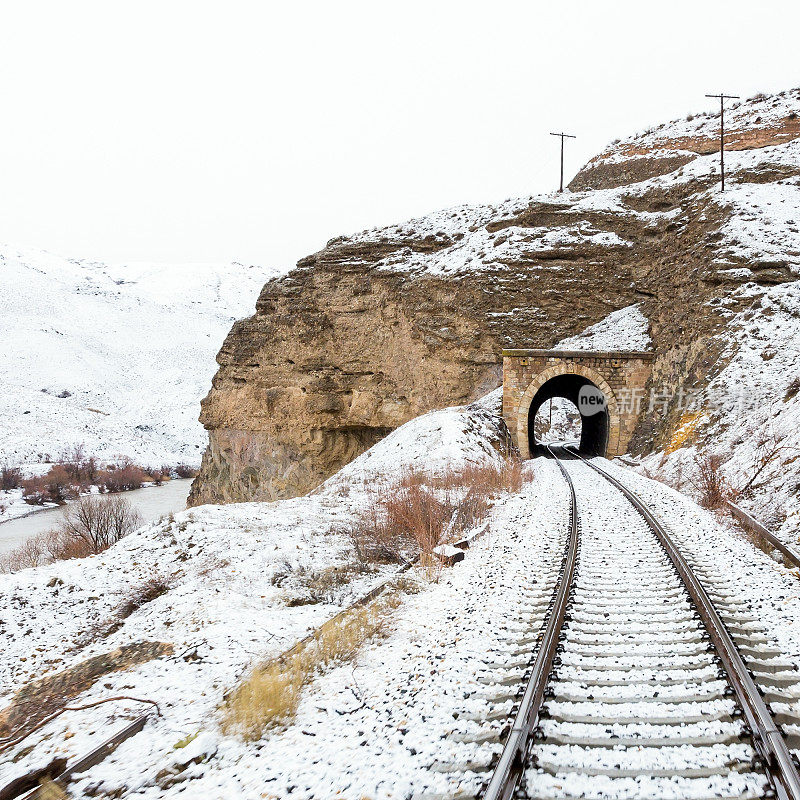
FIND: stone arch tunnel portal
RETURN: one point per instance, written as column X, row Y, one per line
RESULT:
column 594, row 416
column 618, row 377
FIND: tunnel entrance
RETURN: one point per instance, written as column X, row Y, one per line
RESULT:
column 531, row 377
column 590, row 402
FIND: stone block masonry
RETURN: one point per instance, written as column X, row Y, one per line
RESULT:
column 530, row 377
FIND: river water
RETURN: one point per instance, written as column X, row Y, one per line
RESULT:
column 151, row 502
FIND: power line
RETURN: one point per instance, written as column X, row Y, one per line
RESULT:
column 563, row 136
column 722, row 98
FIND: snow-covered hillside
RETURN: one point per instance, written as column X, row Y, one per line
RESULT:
column 233, row 575
column 115, row 356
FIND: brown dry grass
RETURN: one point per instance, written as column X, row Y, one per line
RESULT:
column 271, row 693
column 51, row 791
column 268, row 696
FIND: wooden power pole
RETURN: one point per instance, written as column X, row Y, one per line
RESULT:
column 563, row 136
column 722, row 98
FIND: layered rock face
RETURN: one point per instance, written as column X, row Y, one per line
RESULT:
column 382, row 326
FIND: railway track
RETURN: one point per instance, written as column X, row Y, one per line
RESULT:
column 647, row 682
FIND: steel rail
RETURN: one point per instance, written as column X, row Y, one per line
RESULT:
column 92, row 758
column 768, row 739
column 509, row 768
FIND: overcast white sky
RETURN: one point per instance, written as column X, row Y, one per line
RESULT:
column 255, row 131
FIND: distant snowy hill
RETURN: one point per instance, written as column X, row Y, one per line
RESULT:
column 115, row 356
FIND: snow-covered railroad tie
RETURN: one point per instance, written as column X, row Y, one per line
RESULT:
column 648, row 695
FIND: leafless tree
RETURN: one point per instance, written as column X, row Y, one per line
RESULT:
column 99, row 522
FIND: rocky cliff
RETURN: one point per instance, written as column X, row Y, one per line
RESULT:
column 379, row 327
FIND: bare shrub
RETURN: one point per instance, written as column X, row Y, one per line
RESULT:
column 185, row 471
column 416, row 513
column 98, row 522
column 123, row 478
column 60, row 547
column 55, row 486
column 10, row 477
column 90, row 525
column 30, row 553
column 711, row 483
column 494, row 479
column 82, row 469
column 34, row 491
column 771, row 445
column 423, row 510
column 375, row 540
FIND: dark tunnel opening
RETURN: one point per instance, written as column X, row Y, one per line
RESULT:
column 593, row 413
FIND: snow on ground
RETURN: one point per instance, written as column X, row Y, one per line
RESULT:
column 758, row 581
column 750, row 413
column 399, row 721
column 413, row 706
column 115, row 356
column 461, row 438
column 236, row 574
column 625, row 329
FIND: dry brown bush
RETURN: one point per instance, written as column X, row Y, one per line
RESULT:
column 30, row 553
column 421, row 510
column 185, row 471
column 59, row 547
column 10, row 477
column 56, row 486
column 99, row 522
column 124, row 478
column 82, row 469
column 710, row 482
column 90, row 525
column 419, row 514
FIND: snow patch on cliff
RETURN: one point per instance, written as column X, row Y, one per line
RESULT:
column 625, row 329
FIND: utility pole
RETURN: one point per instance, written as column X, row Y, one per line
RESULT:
column 563, row 136
column 722, row 98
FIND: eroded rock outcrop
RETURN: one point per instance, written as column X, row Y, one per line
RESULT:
column 382, row 326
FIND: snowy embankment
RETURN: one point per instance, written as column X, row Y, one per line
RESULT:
column 750, row 415
column 231, row 586
column 413, row 705
column 115, row 356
